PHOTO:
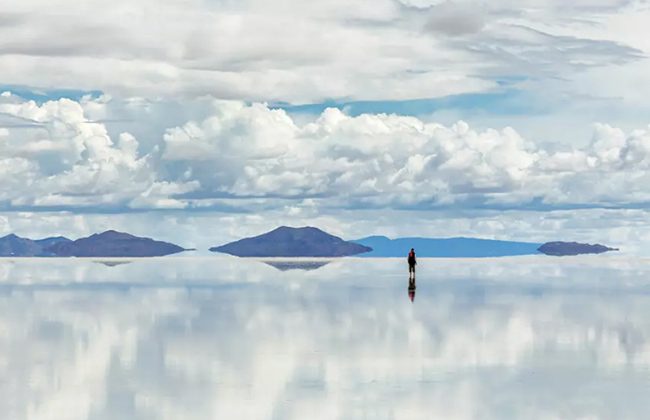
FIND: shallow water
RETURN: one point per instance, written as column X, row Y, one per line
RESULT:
column 238, row 339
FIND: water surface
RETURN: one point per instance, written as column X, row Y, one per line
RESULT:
column 510, row 338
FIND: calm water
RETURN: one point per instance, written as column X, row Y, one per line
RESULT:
column 518, row 338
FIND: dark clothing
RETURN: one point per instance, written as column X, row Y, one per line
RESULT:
column 411, row 260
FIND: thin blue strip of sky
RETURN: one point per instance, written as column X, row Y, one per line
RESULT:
column 44, row 95
column 508, row 102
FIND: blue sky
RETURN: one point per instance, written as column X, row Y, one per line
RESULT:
column 41, row 96
column 497, row 118
column 502, row 102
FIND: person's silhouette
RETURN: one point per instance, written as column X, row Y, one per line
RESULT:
column 412, row 262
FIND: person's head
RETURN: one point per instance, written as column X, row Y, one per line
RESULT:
column 412, row 250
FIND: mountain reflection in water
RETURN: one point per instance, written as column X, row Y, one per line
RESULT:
column 297, row 265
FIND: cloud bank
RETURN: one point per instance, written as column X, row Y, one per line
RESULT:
column 298, row 53
column 62, row 155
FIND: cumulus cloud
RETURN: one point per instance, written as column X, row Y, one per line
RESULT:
column 235, row 154
column 237, row 169
column 64, row 160
column 394, row 161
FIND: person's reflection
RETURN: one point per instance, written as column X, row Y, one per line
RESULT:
column 412, row 289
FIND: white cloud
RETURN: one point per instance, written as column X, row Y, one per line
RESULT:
column 309, row 52
column 456, row 19
column 388, row 160
column 233, row 51
column 232, row 154
column 63, row 159
column 226, row 156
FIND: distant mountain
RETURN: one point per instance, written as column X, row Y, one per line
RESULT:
column 292, row 242
column 15, row 246
column 559, row 249
column 114, row 244
column 48, row 242
column 445, row 248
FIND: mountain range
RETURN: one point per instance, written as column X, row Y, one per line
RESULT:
column 15, row 246
column 106, row 244
column 288, row 242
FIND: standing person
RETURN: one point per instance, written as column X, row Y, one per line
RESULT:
column 412, row 262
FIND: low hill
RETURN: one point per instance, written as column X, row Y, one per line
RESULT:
column 292, row 242
column 114, row 244
column 560, row 249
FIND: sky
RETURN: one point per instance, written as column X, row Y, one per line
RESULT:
column 204, row 121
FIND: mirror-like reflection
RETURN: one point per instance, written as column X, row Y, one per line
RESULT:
column 297, row 265
column 237, row 339
column 411, row 289
column 112, row 263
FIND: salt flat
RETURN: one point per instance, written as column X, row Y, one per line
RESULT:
column 236, row 338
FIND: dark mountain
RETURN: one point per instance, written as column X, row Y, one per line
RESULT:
column 446, row 248
column 559, row 249
column 15, row 246
column 48, row 242
column 114, row 244
column 292, row 242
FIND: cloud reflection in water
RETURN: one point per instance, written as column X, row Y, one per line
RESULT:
column 234, row 339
